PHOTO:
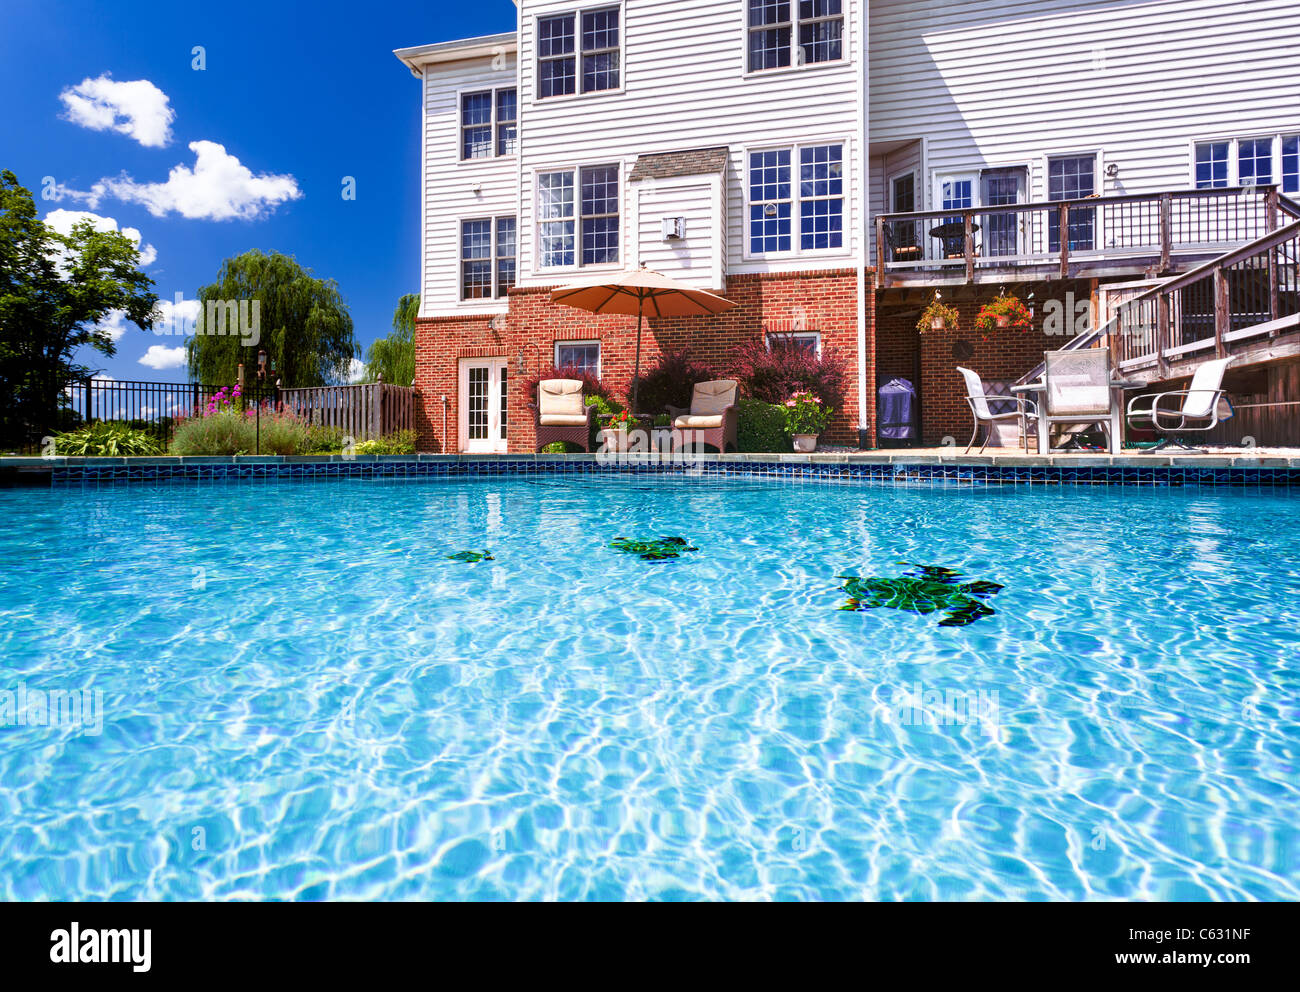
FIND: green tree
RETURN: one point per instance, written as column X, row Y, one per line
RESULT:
column 302, row 322
column 392, row 359
column 54, row 291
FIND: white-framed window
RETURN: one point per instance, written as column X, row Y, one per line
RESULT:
column 488, row 246
column 578, row 216
column 793, row 217
column 489, row 122
column 584, row 355
column 1261, row 160
column 809, row 341
column 579, row 52
column 782, row 34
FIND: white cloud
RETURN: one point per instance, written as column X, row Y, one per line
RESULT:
column 356, row 369
column 161, row 357
column 64, row 220
column 113, row 324
column 219, row 187
column 176, row 317
column 138, row 109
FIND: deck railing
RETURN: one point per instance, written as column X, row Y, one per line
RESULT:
column 1245, row 294
column 365, row 410
column 1148, row 229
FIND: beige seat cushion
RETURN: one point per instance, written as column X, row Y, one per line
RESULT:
column 693, row 422
column 560, row 398
column 713, row 397
column 562, row 420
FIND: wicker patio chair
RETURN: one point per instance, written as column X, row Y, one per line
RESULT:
column 981, row 403
column 711, row 419
column 560, row 415
column 1202, row 404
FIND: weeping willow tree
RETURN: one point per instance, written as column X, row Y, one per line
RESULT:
column 392, row 359
column 301, row 321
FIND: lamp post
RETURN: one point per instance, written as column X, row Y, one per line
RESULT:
column 261, row 383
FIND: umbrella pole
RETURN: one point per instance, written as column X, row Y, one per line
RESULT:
column 636, row 368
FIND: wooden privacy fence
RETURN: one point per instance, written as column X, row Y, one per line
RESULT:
column 366, row 410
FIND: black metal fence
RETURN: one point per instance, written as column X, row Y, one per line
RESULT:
column 153, row 407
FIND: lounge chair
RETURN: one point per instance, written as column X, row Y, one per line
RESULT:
column 1199, row 410
column 1077, row 392
column 979, row 398
column 711, row 419
column 560, row 415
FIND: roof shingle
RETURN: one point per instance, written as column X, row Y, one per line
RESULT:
column 665, row 165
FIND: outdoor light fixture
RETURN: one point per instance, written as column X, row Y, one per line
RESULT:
column 1112, row 170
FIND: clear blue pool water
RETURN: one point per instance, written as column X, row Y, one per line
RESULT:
column 304, row 699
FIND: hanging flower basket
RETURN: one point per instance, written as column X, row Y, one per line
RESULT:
column 1002, row 313
column 937, row 317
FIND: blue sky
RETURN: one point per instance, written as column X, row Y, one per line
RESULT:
column 298, row 96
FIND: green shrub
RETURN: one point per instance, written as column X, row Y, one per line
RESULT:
column 396, row 443
column 555, row 448
column 229, row 432
column 323, row 440
column 108, row 439
column 761, row 427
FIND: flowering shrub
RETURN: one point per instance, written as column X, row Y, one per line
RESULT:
column 1014, row 313
column 222, row 400
column 805, row 414
column 776, row 373
column 621, row 421
column 230, row 431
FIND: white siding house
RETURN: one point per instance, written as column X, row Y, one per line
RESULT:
column 993, row 92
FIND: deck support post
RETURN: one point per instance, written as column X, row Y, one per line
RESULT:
column 970, row 246
column 1166, row 231
column 1162, row 333
column 1221, row 313
column 1065, row 240
column 880, row 252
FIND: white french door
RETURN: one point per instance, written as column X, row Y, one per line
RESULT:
column 483, row 391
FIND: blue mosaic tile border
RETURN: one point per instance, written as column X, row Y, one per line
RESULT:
column 822, row 471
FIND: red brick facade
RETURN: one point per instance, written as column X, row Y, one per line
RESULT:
column 930, row 360
column 825, row 301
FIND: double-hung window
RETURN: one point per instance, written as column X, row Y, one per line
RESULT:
column 488, row 123
column 1258, row 161
column 789, row 213
column 487, row 257
column 785, row 33
column 578, row 216
column 578, row 52
column 1212, row 164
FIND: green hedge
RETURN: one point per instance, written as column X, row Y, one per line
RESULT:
column 760, row 427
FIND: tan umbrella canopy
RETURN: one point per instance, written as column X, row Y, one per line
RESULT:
column 642, row 292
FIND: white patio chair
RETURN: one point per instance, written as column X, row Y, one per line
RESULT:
column 1077, row 393
column 1199, row 410
column 978, row 400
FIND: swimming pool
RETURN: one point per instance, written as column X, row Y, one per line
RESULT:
column 303, row 697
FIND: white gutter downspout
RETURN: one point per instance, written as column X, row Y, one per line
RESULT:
column 864, row 184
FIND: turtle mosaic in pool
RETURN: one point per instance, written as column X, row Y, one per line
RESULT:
column 660, row 550
column 297, row 674
column 927, row 589
column 471, row 557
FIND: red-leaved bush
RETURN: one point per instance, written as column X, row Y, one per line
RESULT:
column 591, row 385
column 775, row 374
column 670, row 381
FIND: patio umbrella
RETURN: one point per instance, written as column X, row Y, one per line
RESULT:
column 641, row 291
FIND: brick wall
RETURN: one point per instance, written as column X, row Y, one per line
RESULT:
column 1001, row 355
column 765, row 303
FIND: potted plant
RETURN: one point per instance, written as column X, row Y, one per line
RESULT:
column 1004, row 312
column 616, row 428
column 805, row 418
column 937, row 316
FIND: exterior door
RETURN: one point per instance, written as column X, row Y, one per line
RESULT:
column 1000, row 188
column 484, row 423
